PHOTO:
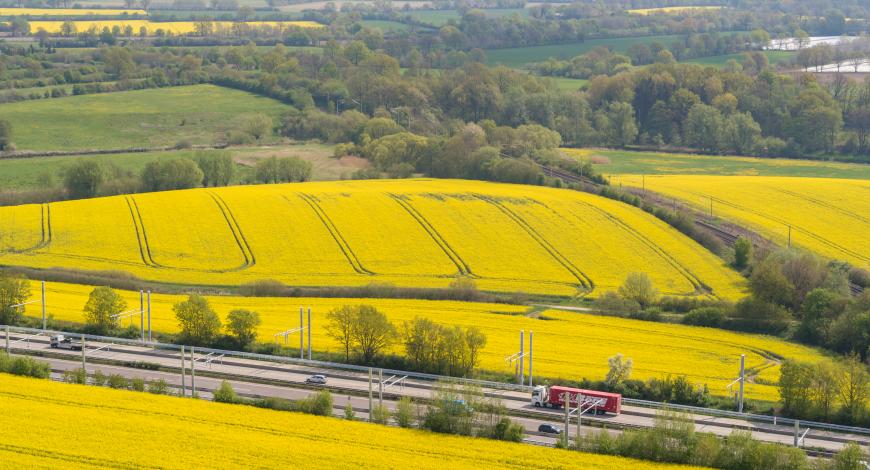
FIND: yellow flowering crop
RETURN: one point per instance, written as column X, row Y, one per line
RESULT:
column 169, row 27
column 567, row 344
column 95, row 427
column 672, row 10
column 828, row 216
column 415, row 233
column 67, row 12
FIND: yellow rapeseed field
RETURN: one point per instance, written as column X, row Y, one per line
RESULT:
column 672, row 10
column 417, row 233
column 169, row 27
column 828, row 216
column 67, row 12
column 569, row 345
column 94, row 427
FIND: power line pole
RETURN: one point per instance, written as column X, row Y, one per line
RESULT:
column 183, row 378
column 84, row 361
column 7, row 340
column 742, row 380
column 43, row 306
column 192, row 374
column 150, row 337
column 380, row 388
column 309, row 333
column 142, row 313
column 566, row 405
column 522, row 357
column 531, row 356
column 370, row 393
column 301, row 336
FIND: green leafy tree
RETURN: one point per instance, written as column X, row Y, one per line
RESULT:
column 13, row 290
column 165, row 175
column 5, row 135
column 258, row 126
column 217, row 167
column 102, row 304
column 242, row 325
column 83, row 178
column 742, row 252
column 372, row 332
column 199, row 324
column 639, row 288
column 619, row 370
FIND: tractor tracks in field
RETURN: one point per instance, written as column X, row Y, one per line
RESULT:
column 433, row 233
column 45, row 233
column 334, row 232
column 236, row 229
column 584, row 280
column 141, row 236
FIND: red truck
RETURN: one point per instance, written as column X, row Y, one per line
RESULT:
column 600, row 402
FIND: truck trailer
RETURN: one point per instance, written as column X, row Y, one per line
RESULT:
column 599, row 402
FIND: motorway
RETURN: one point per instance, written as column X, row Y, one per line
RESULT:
column 256, row 378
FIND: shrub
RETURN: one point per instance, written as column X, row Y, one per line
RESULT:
column 75, row 376
column 118, row 381
column 25, row 366
column 225, row 393
column 319, row 404
column 404, row 414
column 380, row 414
column 99, row 378
column 137, row 384
column 705, row 316
column 158, row 387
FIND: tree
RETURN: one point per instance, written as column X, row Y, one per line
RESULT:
column 769, row 284
column 340, row 326
column 372, row 332
column 83, row 178
column 217, row 167
column 258, row 126
column 818, row 311
column 118, row 60
column 795, row 380
column 13, row 290
column 103, row 303
column 19, row 26
column 281, row 170
column 703, row 127
column 854, row 388
column 5, row 135
column 619, row 370
column 741, row 133
column 225, row 393
column 165, row 175
column 639, row 288
column 199, row 324
column 242, row 324
column 742, row 252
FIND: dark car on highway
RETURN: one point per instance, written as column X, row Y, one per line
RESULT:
column 549, row 429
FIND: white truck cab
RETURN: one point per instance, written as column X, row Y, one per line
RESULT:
column 539, row 396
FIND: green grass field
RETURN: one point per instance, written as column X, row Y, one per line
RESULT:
column 200, row 114
column 569, row 84
column 518, row 57
column 718, row 61
column 441, row 17
column 384, row 25
column 620, row 162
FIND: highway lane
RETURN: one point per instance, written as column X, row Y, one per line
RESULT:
column 289, row 374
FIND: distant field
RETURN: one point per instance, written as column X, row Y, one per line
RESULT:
column 173, row 27
column 673, row 10
column 773, row 57
column 518, row 57
column 105, row 428
column 704, row 355
column 621, row 162
column 31, row 173
column 200, row 114
column 441, row 17
column 418, row 233
column 67, row 12
column 569, row 84
column 385, row 25
column 828, row 216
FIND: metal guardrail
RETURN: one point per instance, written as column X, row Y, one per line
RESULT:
column 747, row 416
column 278, row 359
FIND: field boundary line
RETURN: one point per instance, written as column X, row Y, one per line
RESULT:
column 433, row 233
column 693, row 279
column 336, row 235
column 236, row 230
column 141, row 236
column 585, row 281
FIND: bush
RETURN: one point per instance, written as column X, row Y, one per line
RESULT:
column 319, row 404
column 165, row 175
column 706, row 316
column 24, row 366
column 158, row 387
column 99, row 378
column 380, row 414
column 118, row 381
column 75, row 376
column 137, row 384
column 225, row 393
column 263, row 288
column 404, row 414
